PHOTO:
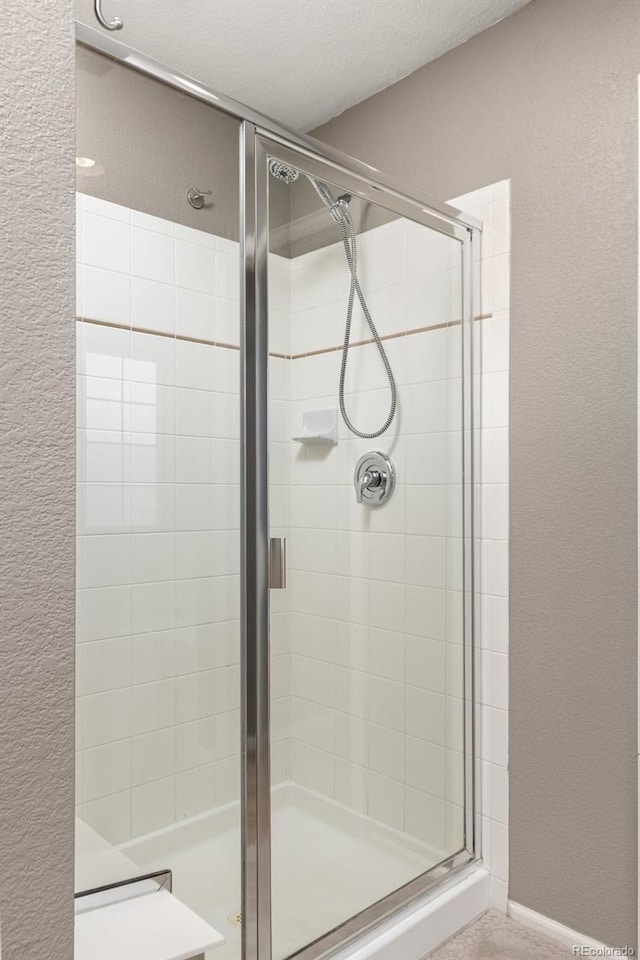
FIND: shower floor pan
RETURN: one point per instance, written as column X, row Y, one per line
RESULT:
column 328, row 863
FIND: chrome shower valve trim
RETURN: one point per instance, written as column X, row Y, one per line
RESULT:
column 374, row 478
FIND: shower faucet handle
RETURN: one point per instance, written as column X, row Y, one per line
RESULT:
column 367, row 480
column 374, row 478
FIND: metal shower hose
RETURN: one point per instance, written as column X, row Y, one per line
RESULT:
column 349, row 240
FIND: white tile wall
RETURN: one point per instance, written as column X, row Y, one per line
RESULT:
column 491, row 205
column 370, row 590
column 158, row 476
column 376, row 682
column 366, row 666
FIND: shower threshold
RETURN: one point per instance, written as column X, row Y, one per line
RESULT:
column 328, row 863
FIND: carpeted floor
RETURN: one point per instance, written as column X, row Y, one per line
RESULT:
column 495, row 937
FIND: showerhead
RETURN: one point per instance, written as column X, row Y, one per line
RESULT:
column 338, row 209
column 282, row 172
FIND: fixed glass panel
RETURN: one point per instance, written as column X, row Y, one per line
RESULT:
column 367, row 645
column 158, row 649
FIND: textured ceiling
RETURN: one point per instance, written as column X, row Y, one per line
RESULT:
column 299, row 61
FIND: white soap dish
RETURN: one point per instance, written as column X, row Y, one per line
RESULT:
column 319, row 426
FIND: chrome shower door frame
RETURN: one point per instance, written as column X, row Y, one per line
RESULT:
column 258, row 136
column 258, row 145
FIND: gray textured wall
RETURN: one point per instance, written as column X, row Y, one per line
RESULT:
column 549, row 98
column 37, row 463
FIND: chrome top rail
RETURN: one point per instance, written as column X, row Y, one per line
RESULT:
column 374, row 181
column 314, row 163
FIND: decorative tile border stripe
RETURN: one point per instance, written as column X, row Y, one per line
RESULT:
column 387, row 336
column 156, row 333
column 278, row 356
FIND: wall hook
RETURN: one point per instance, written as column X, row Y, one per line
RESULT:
column 195, row 196
column 115, row 24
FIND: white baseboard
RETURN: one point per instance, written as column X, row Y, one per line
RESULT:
column 553, row 929
column 426, row 924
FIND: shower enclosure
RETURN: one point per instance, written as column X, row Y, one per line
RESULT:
column 275, row 595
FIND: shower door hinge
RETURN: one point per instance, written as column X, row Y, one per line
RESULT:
column 277, row 563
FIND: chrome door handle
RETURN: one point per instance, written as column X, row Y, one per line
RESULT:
column 277, row 563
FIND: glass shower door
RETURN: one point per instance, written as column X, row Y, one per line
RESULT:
column 158, row 525
column 369, row 782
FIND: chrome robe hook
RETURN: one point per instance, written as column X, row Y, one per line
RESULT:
column 115, row 24
column 195, row 196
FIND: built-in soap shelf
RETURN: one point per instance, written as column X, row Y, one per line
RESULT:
column 319, row 426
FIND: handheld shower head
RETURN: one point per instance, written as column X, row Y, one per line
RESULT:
column 338, row 209
column 339, row 212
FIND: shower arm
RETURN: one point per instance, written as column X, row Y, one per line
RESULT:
column 115, row 24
